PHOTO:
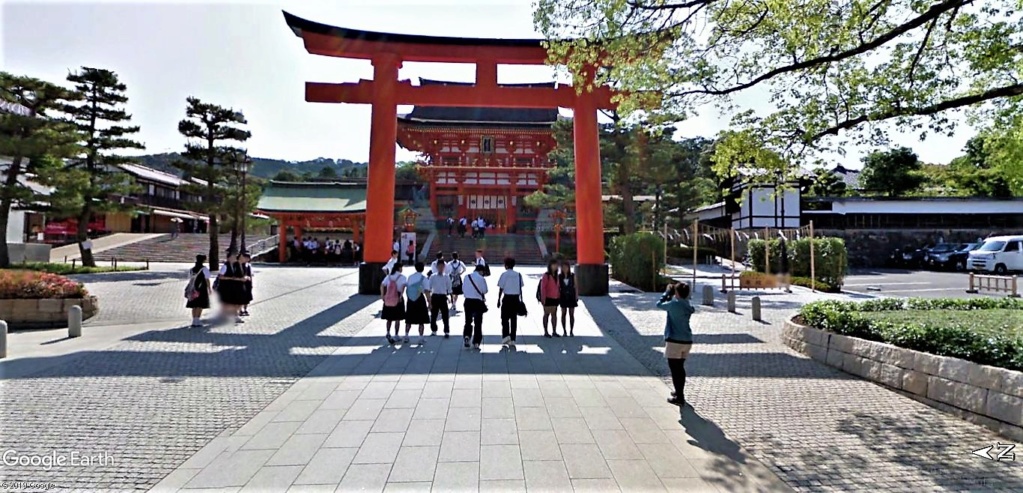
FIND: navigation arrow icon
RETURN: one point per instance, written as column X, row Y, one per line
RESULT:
column 984, row 452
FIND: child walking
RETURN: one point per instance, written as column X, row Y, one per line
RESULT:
column 417, row 309
column 394, row 306
column 678, row 337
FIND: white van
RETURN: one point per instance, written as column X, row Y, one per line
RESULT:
column 998, row 254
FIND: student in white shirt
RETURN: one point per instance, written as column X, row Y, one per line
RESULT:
column 509, row 297
column 440, row 288
column 433, row 265
column 389, row 266
column 417, row 310
column 391, row 290
column 475, row 289
column 481, row 261
column 456, row 268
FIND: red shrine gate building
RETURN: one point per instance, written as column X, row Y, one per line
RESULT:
column 481, row 162
column 385, row 92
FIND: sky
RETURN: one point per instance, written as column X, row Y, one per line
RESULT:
column 243, row 55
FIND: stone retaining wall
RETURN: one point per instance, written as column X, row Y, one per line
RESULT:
column 44, row 313
column 989, row 396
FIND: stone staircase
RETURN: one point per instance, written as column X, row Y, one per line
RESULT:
column 495, row 248
column 425, row 221
column 164, row 249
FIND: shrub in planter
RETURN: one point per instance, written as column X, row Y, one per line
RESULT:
column 22, row 284
column 831, row 261
column 637, row 259
column 971, row 340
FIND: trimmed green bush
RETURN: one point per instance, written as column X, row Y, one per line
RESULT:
column 831, row 258
column 987, row 331
column 637, row 259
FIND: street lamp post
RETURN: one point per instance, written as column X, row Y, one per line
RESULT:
column 243, row 167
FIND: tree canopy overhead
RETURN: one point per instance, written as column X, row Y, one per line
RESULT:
column 827, row 68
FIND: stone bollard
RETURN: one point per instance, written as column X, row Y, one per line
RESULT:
column 731, row 301
column 3, row 339
column 708, row 296
column 756, row 308
column 74, row 321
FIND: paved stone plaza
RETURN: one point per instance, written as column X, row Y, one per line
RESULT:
column 307, row 396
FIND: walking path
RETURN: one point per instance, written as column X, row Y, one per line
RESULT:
column 308, row 396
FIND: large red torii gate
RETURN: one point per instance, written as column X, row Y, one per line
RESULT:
column 385, row 92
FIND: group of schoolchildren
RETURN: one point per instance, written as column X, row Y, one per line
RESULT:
column 419, row 298
column 233, row 285
column 478, row 226
column 329, row 251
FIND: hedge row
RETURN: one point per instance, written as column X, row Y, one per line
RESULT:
column 831, row 258
column 968, row 341
column 637, row 260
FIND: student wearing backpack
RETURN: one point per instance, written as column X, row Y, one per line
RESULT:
column 417, row 310
column 394, row 307
column 456, row 268
column 197, row 291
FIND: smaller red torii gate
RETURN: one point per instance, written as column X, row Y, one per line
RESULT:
column 387, row 52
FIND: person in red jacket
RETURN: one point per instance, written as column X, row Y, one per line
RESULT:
column 549, row 294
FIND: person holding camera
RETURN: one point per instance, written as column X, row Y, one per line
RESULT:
column 678, row 336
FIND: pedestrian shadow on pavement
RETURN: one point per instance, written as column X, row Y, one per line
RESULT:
column 731, row 466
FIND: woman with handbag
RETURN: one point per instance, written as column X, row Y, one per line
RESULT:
column 197, row 292
column 475, row 291
column 509, row 300
column 548, row 293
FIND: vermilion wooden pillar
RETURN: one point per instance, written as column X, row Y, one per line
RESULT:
column 592, row 272
column 282, row 244
column 380, row 178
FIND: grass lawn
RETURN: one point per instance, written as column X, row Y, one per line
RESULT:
column 69, row 269
column 997, row 321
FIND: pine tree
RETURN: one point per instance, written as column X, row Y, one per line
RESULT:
column 33, row 139
column 208, row 157
column 100, row 118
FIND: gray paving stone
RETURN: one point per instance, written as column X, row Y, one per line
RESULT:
column 644, row 430
column 601, row 418
column 460, row 446
column 456, row 476
column 312, row 488
column 365, row 409
column 604, row 486
column 415, row 464
column 500, row 431
column 562, row 407
column 317, row 391
column 424, row 432
column 297, row 411
column 393, row 420
column 616, row 444
column 378, row 389
column 365, row 477
column 349, row 434
column 533, row 418
column 328, row 466
column 539, row 446
column 500, row 462
column 546, row 475
column 494, row 389
column 340, row 399
column 503, row 486
column 667, row 461
column 272, row 436
column 471, row 397
column 231, row 469
column 695, row 485
column 431, row 409
column 408, row 487
column 257, row 423
column 403, row 398
column 322, row 421
column 175, row 480
column 584, row 461
column 527, row 398
column 297, row 451
column 463, row 419
column 498, row 407
column 379, row 448
column 274, row 478
column 635, row 475
column 436, row 389
column 572, row 430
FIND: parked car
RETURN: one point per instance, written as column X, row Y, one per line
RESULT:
column 998, row 254
column 954, row 260
column 935, row 257
column 907, row 258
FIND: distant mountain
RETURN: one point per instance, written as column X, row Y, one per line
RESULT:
column 261, row 167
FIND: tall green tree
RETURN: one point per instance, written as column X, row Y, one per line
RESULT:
column 213, row 134
column 35, row 141
column 241, row 196
column 828, row 68
column 823, row 182
column 102, row 123
column 327, row 172
column 892, row 173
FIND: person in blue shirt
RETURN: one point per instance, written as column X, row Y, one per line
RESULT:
column 678, row 336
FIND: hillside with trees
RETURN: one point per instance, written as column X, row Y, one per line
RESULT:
column 269, row 168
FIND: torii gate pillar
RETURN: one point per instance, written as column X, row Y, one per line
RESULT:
column 381, row 174
column 591, row 271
